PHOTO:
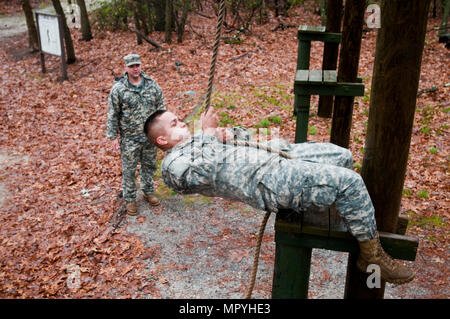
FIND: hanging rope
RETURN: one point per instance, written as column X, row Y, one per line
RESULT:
column 240, row 143
column 256, row 256
column 214, row 56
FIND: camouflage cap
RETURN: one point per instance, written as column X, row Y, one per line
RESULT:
column 131, row 59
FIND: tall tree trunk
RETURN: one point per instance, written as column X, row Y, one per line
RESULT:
column 150, row 22
column 136, row 21
column 160, row 14
column 395, row 82
column 348, row 70
column 446, row 10
column 67, row 37
column 86, row 34
column 330, row 52
column 32, row 32
column 169, row 22
column 141, row 13
column 182, row 23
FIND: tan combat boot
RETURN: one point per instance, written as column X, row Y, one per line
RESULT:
column 152, row 199
column 392, row 271
column 131, row 208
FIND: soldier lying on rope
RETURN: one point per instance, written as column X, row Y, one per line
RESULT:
column 316, row 176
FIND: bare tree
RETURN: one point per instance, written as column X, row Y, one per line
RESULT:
column 180, row 23
column 67, row 37
column 86, row 34
column 169, row 16
column 32, row 32
column 137, row 25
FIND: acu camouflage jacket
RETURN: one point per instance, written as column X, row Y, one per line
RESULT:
column 129, row 107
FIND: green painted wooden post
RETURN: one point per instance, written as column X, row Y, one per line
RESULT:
column 291, row 271
column 304, row 49
column 301, row 127
column 302, row 102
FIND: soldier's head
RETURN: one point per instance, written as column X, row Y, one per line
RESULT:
column 165, row 130
column 133, row 65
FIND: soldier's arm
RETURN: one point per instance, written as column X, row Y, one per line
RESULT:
column 187, row 176
column 159, row 99
column 112, row 122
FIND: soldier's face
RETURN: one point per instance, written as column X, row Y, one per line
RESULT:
column 134, row 70
column 175, row 130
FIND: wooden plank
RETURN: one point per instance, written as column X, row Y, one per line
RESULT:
column 328, row 37
column 340, row 89
column 311, row 29
column 329, row 77
column 396, row 245
column 317, row 241
column 315, row 76
column 301, row 76
column 399, row 246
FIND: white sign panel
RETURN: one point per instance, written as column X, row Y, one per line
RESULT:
column 49, row 34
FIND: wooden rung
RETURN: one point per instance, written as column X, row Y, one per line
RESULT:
column 338, row 89
column 291, row 233
column 311, row 29
column 329, row 77
column 315, row 77
column 317, row 33
column 302, row 76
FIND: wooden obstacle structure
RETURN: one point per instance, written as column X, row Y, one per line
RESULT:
column 296, row 235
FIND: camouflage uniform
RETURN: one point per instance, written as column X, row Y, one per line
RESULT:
column 128, row 108
column 319, row 175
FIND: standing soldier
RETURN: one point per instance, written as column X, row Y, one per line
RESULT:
column 133, row 98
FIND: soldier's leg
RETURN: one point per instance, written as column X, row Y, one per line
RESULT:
column 129, row 155
column 346, row 188
column 148, row 167
column 327, row 184
column 325, row 153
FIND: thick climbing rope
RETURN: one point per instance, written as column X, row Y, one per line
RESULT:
column 214, row 56
column 266, row 216
column 256, row 256
column 240, row 143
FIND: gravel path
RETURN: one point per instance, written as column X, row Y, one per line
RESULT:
column 206, row 251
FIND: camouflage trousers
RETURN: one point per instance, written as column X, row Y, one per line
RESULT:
column 321, row 175
column 132, row 153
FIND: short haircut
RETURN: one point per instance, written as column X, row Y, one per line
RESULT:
column 151, row 120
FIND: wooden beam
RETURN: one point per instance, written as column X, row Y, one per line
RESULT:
column 317, row 33
column 340, row 89
column 291, row 233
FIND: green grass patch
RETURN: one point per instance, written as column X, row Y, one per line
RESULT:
column 424, row 222
column 225, row 119
column 407, row 193
column 422, row 194
column 275, row 119
column 264, row 123
column 312, row 130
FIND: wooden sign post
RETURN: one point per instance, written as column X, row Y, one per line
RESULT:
column 51, row 41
